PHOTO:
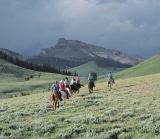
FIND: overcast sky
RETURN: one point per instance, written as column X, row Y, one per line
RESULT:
column 130, row 26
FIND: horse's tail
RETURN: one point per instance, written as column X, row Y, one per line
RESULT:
column 88, row 84
column 52, row 96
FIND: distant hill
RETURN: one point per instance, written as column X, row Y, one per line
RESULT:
column 10, row 71
column 17, row 81
column 11, row 53
column 68, row 54
column 91, row 66
column 147, row 67
column 75, row 50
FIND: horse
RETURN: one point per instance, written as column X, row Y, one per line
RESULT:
column 55, row 99
column 75, row 87
column 110, row 82
column 90, row 87
column 64, row 95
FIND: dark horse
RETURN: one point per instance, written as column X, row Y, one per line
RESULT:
column 55, row 99
column 90, row 87
column 75, row 87
column 110, row 82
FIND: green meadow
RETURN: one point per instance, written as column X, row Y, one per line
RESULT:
column 130, row 110
column 92, row 67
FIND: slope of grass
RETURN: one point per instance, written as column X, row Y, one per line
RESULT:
column 147, row 67
column 91, row 66
column 13, row 84
column 128, row 111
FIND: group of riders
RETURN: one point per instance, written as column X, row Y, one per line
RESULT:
column 64, row 84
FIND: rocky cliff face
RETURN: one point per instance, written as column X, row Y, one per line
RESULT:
column 83, row 50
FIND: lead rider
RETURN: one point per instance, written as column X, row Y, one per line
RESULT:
column 110, row 77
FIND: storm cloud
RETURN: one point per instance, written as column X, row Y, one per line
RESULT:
column 130, row 26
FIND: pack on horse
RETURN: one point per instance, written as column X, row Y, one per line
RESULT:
column 75, row 87
column 110, row 82
column 90, row 86
column 55, row 98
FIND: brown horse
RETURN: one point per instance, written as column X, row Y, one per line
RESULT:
column 55, row 99
column 110, row 82
column 90, row 87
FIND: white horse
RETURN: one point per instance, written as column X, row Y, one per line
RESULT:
column 110, row 82
column 64, row 96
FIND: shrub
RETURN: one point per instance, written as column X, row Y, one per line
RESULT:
column 27, row 78
column 124, row 135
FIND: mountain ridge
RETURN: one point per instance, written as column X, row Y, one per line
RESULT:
column 87, row 51
column 72, row 53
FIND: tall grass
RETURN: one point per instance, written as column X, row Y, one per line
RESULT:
column 129, row 110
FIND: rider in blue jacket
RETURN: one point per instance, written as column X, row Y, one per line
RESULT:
column 91, row 79
column 55, row 87
column 110, row 76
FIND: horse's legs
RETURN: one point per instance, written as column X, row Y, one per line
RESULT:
column 58, row 104
column 54, row 105
column 109, row 85
column 50, row 97
column 69, row 91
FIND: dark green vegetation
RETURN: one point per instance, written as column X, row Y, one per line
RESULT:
column 130, row 110
column 57, row 62
column 42, row 67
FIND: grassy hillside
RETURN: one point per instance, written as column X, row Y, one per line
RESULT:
column 150, row 66
column 147, row 67
column 91, row 66
column 128, row 111
column 13, row 83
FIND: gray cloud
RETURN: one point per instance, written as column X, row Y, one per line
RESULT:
column 131, row 26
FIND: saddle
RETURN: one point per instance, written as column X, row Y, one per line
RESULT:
column 58, row 93
column 111, row 80
column 90, row 84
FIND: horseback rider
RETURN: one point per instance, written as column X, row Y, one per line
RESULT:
column 67, row 83
column 62, row 87
column 73, row 81
column 91, row 79
column 78, row 80
column 55, row 88
column 110, row 76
